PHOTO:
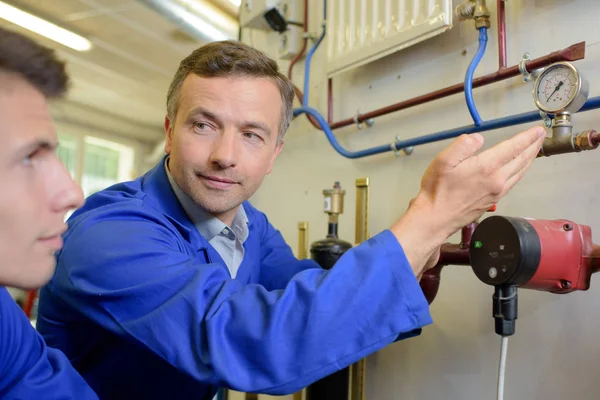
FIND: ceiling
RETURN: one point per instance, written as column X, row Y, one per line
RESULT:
column 134, row 56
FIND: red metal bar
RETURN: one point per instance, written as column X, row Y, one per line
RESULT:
column 501, row 11
column 571, row 53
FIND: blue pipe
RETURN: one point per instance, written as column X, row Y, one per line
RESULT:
column 309, row 57
column 469, row 76
column 517, row 119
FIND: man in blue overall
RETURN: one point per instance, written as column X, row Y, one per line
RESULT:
column 173, row 284
column 37, row 192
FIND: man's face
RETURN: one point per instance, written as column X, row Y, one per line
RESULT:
column 224, row 140
column 37, row 190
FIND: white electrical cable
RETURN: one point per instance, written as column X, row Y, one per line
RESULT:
column 502, row 368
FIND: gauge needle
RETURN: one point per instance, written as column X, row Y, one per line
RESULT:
column 556, row 89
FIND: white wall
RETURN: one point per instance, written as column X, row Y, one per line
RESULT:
column 555, row 352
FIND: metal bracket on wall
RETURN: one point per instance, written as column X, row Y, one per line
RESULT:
column 369, row 122
column 406, row 150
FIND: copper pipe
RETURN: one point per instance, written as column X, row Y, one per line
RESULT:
column 571, row 53
column 304, row 42
column 501, row 11
column 329, row 101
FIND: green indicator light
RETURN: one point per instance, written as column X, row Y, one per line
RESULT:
column 478, row 245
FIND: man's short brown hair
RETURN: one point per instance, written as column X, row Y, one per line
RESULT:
column 231, row 58
column 36, row 64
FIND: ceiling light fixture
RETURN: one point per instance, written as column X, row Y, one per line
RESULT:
column 44, row 28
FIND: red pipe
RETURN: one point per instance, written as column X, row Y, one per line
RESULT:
column 298, row 92
column 329, row 101
column 571, row 53
column 28, row 307
column 450, row 254
column 304, row 41
column 501, row 11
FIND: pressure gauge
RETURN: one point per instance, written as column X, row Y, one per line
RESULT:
column 560, row 88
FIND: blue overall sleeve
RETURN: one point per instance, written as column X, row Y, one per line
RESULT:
column 129, row 271
column 28, row 368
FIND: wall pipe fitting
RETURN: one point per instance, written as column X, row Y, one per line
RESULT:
column 476, row 10
column 564, row 141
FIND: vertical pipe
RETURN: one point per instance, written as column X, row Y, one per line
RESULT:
column 361, row 230
column 361, row 233
column 304, row 42
column 501, row 11
column 329, row 101
column 302, row 240
column 302, row 254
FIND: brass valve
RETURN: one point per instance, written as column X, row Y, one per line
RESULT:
column 334, row 202
column 476, row 10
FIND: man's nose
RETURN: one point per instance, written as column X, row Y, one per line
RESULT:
column 68, row 194
column 224, row 151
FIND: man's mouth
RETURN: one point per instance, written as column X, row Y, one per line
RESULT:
column 54, row 240
column 217, row 181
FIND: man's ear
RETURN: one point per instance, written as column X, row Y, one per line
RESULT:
column 275, row 154
column 169, row 134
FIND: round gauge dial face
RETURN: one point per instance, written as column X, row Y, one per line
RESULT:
column 557, row 87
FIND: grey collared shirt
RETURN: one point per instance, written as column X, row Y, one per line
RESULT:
column 227, row 241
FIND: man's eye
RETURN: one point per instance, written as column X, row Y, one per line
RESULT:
column 252, row 136
column 201, row 126
column 29, row 159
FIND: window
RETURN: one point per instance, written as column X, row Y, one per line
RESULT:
column 105, row 163
column 67, row 152
column 96, row 163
